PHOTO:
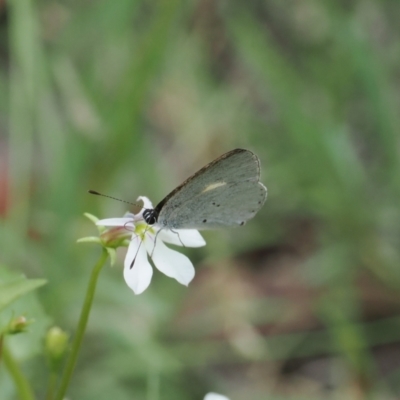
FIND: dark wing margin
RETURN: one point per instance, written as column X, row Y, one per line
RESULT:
column 160, row 205
column 228, row 190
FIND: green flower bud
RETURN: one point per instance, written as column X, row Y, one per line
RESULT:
column 18, row 325
column 110, row 238
column 115, row 237
column 56, row 345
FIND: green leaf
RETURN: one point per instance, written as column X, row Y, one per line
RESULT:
column 15, row 288
column 17, row 297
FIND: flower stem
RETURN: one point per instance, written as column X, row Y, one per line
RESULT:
column 24, row 389
column 51, row 385
column 76, row 345
column 1, row 345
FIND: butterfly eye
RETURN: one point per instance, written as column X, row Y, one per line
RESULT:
column 150, row 216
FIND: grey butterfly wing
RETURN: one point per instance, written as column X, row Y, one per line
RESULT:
column 227, row 192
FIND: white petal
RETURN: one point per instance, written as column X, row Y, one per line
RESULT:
column 215, row 396
column 115, row 222
column 146, row 202
column 129, row 215
column 170, row 262
column 187, row 237
column 138, row 275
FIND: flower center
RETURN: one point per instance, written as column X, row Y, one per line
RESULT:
column 142, row 228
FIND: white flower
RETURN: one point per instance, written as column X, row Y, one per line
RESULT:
column 149, row 240
column 215, row 396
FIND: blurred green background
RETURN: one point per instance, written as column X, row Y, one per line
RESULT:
column 130, row 97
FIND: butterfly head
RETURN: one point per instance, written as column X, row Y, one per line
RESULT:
column 150, row 216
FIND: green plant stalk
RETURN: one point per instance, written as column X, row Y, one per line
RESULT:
column 51, row 385
column 76, row 345
column 21, row 383
column 1, row 345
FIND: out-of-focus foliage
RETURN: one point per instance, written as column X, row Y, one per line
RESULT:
column 13, row 287
column 129, row 98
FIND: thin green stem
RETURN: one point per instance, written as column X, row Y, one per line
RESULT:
column 22, row 385
column 76, row 345
column 51, row 387
column 1, row 345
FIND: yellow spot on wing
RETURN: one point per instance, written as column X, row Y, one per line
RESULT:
column 213, row 186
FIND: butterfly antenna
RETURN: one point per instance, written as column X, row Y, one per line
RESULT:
column 114, row 198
